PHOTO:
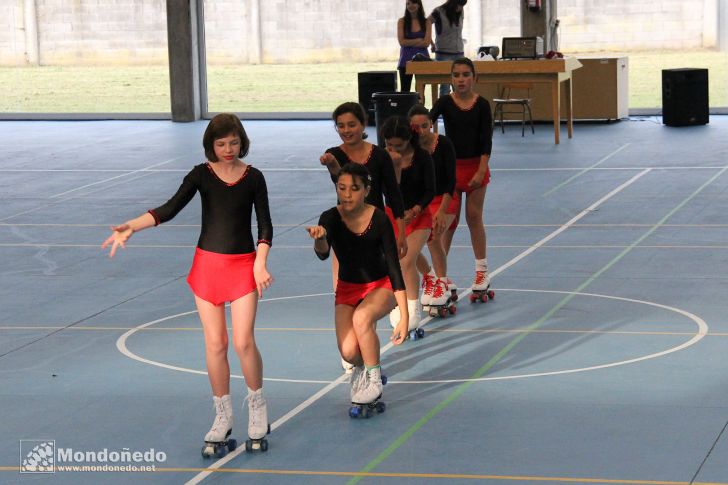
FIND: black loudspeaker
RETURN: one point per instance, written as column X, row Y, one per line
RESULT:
column 685, row 97
column 371, row 82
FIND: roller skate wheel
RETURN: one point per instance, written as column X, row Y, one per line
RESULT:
column 220, row 451
column 367, row 412
column 473, row 298
column 452, row 309
column 442, row 312
column 207, row 451
column 354, row 412
column 256, row 445
column 381, row 407
column 420, row 332
column 491, row 294
column 454, row 294
column 384, row 380
column 232, row 444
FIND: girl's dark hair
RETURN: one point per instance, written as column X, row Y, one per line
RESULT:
column 418, row 109
column 351, row 107
column 420, row 17
column 220, row 126
column 464, row 61
column 452, row 15
column 357, row 171
column 399, row 127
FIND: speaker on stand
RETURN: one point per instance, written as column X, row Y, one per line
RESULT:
column 685, row 97
column 371, row 82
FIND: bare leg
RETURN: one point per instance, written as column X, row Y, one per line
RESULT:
column 474, row 217
column 216, row 345
column 362, row 321
column 415, row 241
column 437, row 250
column 422, row 265
column 243, row 316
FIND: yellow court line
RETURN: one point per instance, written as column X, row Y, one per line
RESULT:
column 453, row 476
column 328, row 329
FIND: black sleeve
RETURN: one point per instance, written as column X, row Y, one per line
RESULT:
column 486, row 127
column 185, row 192
column 428, row 171
column 325, row 220
column 436, row 110
column 389, row 245
column 447, row 153
column 340, row 159
column 390, row 187
column 262, row 211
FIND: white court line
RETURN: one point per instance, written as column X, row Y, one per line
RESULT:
column 172, row 225
column 585, row 170
column 145, row 169
column 210, row 469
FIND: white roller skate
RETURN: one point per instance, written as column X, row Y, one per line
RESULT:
column 441, row 304
column 258, row 425
column 346, row 366
column 217, row 440
column 394, row 316
column 366, row 399
column 481, row 288
column 428, row 282
column 357, row 381
column 415, row 331
column 453, row 289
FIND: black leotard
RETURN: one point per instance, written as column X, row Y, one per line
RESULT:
column 365, row 257
column 470, row 130
column 418, row 180
column 444, row 160
column 384, row 180
column 226, row 209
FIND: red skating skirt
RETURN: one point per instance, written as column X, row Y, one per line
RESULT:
column 465, row 168
column 353, row 293
column 422, row 221
column 453, row 208
column 219, row 278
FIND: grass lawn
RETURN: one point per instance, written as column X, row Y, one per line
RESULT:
column 286, row 87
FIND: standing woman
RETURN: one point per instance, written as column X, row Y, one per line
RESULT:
column 417, row 184
column 414, row 33
column 443, row 208
column 369, row 278
column 469, row 124
column 226, row 268
column 449, row 45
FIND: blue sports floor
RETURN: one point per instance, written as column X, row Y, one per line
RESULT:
column 603, row 358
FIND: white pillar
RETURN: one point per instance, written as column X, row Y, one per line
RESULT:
column 256, row 42
column 30, row 24
column 711, row 14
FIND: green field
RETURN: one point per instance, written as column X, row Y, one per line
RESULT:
column 270, row 88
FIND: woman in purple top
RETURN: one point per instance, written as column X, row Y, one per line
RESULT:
column 414, row 33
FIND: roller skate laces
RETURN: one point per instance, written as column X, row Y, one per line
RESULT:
column 428, row 283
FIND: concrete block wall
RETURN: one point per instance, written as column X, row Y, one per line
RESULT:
column 107, row 32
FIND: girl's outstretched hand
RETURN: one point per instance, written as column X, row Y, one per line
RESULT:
column 119, row 237
column 400, row 332
column 316, row 232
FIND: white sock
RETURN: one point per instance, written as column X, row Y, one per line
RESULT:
column 481, row 264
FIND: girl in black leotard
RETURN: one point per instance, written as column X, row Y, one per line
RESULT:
column 369, row 277
column 416, row 174
column 226, row 265
column 469, row 124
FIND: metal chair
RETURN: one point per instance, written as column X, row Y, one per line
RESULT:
column 511, row 94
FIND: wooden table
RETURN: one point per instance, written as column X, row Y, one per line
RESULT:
column 548, row 71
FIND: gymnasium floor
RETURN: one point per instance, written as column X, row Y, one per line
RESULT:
column 602, row 358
